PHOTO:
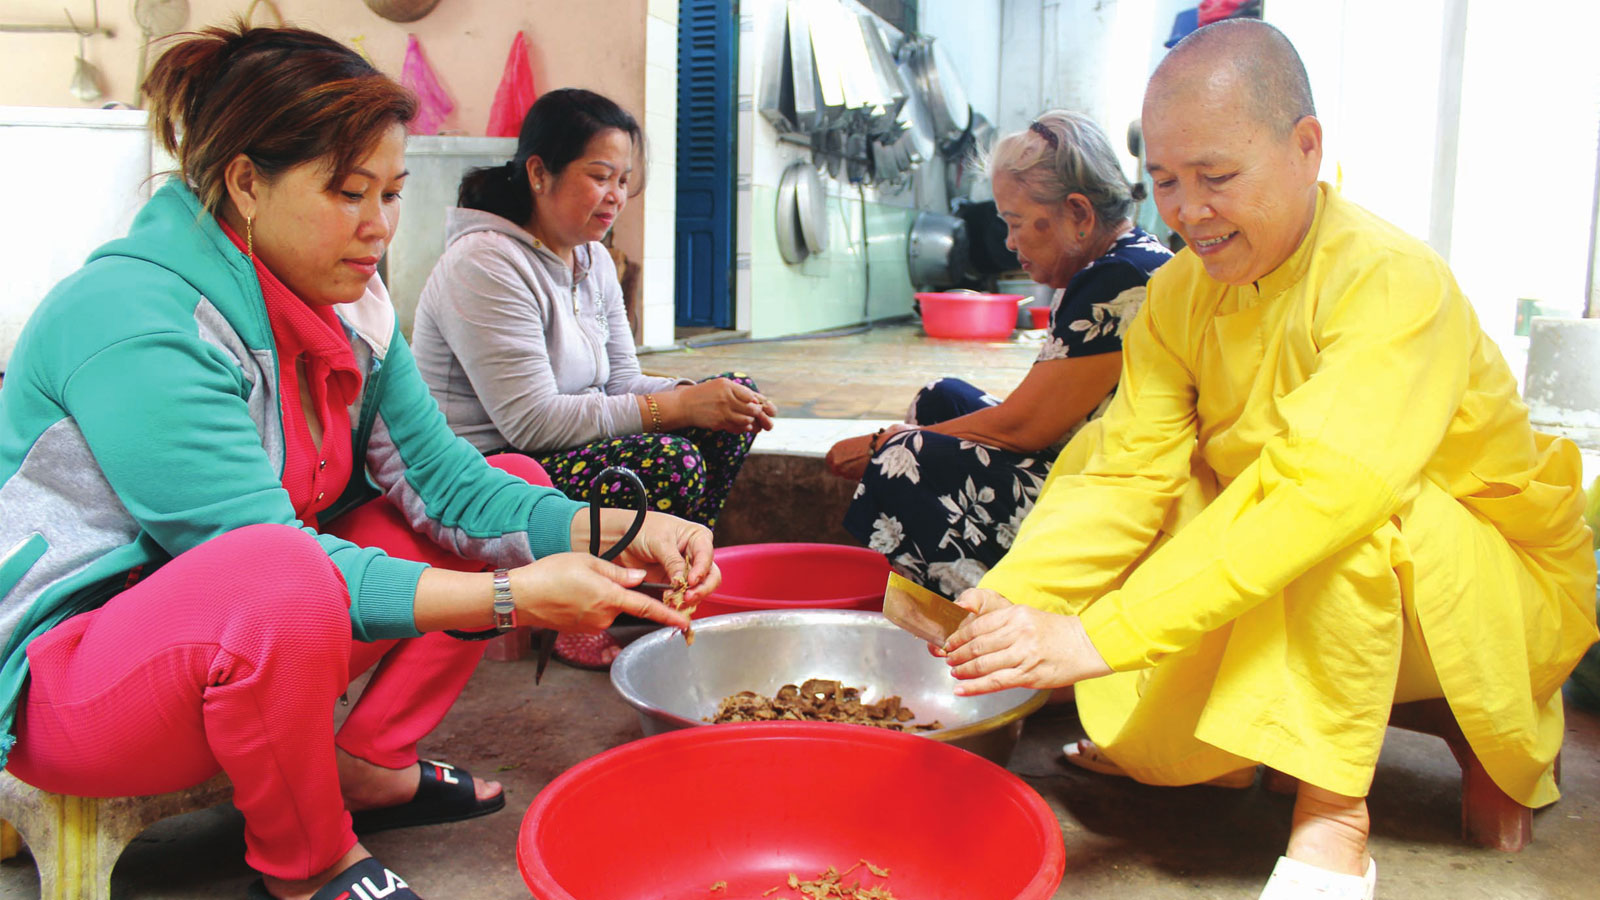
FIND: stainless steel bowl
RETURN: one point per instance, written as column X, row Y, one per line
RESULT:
column 675, row 686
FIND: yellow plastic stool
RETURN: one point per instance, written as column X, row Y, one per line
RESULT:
column 76, row 840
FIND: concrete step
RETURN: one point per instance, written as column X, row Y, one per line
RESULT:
column 785, row 491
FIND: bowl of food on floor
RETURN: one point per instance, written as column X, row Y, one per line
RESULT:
column 789, row 810
column 834, row 665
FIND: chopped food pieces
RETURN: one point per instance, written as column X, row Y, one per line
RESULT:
column 830, row 885
column 674, row 598
column 819, row 700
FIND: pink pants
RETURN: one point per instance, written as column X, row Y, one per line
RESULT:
column 231, row 657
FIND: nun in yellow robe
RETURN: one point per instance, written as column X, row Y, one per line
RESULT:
column 1313, row 496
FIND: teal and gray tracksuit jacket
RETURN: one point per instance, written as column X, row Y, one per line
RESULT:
column 140, row 417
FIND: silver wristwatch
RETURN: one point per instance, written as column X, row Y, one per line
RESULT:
column 505, row 609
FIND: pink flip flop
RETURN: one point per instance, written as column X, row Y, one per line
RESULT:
column 586, row 651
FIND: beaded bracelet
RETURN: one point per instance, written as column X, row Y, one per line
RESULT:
column 655, row 412
column 872, row 445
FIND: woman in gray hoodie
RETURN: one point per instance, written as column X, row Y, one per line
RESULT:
column 523, row 339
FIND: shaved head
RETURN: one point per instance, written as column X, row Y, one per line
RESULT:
column 1246, row 56
column 1233, row 147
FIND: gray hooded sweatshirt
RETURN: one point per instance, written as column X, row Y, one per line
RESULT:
column 520, row 350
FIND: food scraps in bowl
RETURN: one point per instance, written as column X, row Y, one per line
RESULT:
column 830, row 885
column 819, row 700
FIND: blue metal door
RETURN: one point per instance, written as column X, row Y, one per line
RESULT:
column 707, row 42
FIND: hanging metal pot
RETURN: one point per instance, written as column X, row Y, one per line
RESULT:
column 812, row 202
column 884, row 122
column 809, row 113
column 790, row 242
column 936, row 250
column 934, row 76
column 802, row 213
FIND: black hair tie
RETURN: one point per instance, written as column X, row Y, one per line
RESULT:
column 1138, row 191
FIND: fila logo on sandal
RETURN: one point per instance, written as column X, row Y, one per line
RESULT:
column 366, row 890
column 444, row 772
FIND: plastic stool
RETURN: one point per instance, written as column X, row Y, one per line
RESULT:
column 76, row 840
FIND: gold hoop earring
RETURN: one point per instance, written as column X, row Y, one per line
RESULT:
column 250, row 237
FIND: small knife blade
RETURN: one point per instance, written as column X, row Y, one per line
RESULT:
column 920, row 611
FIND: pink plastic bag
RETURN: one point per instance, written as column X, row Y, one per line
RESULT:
column 515, row 93
column 433, row 104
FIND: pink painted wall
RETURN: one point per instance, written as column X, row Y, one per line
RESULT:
column 597, row 44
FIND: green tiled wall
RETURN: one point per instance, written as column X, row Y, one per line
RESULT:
column 826, row 290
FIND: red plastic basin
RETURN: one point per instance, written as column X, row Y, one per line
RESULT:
column 969, row 316
column 1040, row 316
column 668, row 816
column 797, row 576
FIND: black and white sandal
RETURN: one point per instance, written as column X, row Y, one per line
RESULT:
column 366, row 880
column 444, row 794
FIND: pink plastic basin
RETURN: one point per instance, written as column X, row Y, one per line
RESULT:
column 797, row 576
column 969, row 316
column 1040, row 316
column 669, row 816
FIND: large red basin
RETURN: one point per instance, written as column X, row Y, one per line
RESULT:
column 797, row 576
column 669, row 816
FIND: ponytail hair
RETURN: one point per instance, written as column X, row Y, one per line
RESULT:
column 557, row 129
column 280, row 96
column 502, row 190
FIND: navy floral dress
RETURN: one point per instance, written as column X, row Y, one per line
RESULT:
column 943, row 509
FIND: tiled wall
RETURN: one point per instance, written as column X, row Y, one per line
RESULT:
column 826, row 291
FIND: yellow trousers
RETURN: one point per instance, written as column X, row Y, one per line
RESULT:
column 1436, row 602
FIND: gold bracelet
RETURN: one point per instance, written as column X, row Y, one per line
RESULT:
column 655, row 412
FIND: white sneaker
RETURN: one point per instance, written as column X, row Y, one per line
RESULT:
column 1295, row 880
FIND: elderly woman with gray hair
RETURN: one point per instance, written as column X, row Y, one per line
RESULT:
column 942, row 495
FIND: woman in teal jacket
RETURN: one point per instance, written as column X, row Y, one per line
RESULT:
column 184, row 421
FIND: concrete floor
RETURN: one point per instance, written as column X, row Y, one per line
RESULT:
column 1122, row 839
column 865, row 376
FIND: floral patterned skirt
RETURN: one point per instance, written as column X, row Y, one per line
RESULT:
column 686, row 473
column 943, row 509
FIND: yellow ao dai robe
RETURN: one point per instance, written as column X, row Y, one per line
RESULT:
column 1310, row 497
